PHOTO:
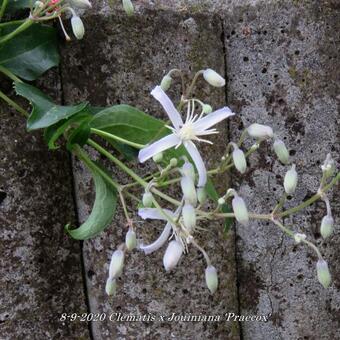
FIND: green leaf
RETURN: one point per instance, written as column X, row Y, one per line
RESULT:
column 127, row 122
column 102, row 211
column 18, row 4
column 213, row 194
column 80, row 135
column 45, row 113
column 30, row 53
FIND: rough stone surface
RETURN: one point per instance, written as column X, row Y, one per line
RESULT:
column 283, row 65
column 120, row 61
column 40, row 271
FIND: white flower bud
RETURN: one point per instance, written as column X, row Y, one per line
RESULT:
column 80, row 3
column 221, row 201
column 189, row 190
column 213, row 78
column 299, row 237
column 206, row 108
column 201, row 195
column 324, row 276
column 111, row 286
column 38, row 4
column 128, row 7
column 158, row 157
column 211, row 278
column 326, row 228
column 290, row 180
column 166, row 82
column 130, row 239
column 281, row 151
column 117, row 263
column 328, row 167
column 240, row 210
column 239, row 160
column 173, row 162
column 147, row 199
column 172, row 255
column 188, row 170
column 77, row 27
column 189, row 217
column 260, row 131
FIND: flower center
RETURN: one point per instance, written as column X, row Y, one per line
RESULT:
column 187, row 132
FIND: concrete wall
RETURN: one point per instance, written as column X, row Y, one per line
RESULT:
column 280, row 61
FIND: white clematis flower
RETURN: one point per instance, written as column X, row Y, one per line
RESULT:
column 185, row 133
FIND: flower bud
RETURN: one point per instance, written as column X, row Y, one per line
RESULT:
column 324, row 276
column 201, row 195
column 77, row 27
column 221, row 201
column 111, row 286
column 189, row 217
column 128, row 7
column 158, row 157
column 211, row 278
column 213, row 78
column 188, row 170
column 239, row 160
column 189, row 190
column 80, row 3
column 260, row 131
column 116, row 265
column 299, row 237
column 240, row 210
column 281, row 151
column 130, row 239
column 173, row 162
column 147, row 199
column 328, row 167
column 172, row 255
column 38, row 4
column 206, row 108
column 326, row 228
column 166, row 82
column 290, row 180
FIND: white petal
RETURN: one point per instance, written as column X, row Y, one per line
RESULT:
column 168, row 106
column 212, row 119
column 196, row 157
column 150, row 248
column 163, row 144
column 154, row 214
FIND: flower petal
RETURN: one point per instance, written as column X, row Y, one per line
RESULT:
column 150, row 248
column 196, row 157
column 154, row 214
column 212, row 119
column 168, row 106
column 162, row 144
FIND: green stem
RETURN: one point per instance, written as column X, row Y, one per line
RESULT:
column 312, row 199
column 9, row 74
column 10, row 102
column 119, row 139
column 3, row 8
column 9, row 23
column 26, row 24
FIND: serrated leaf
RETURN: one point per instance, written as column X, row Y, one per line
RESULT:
column 45, row 113
column 30, row 53
column 102, row 212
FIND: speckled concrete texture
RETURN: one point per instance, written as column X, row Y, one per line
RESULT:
column 120, row 61
column 283, row 69
column 40, row 271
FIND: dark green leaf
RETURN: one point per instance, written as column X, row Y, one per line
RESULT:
column 127, row 151
column 80, row 135
column 18, row 4
column 30, row 53
column 127, row 122
column 102, row 212
column 45, row 113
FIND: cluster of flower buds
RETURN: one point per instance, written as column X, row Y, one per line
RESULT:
column 115, row 270
column 51, row 9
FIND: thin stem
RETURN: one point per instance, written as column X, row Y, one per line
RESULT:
column 10, row 102
column 3, row 8
column 119, row 139
column 283, row 228
column 9, row 74
column 26, row 24
column 122, row 200
column 191, row 87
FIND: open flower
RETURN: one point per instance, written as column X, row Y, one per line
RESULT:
column 185, row 133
